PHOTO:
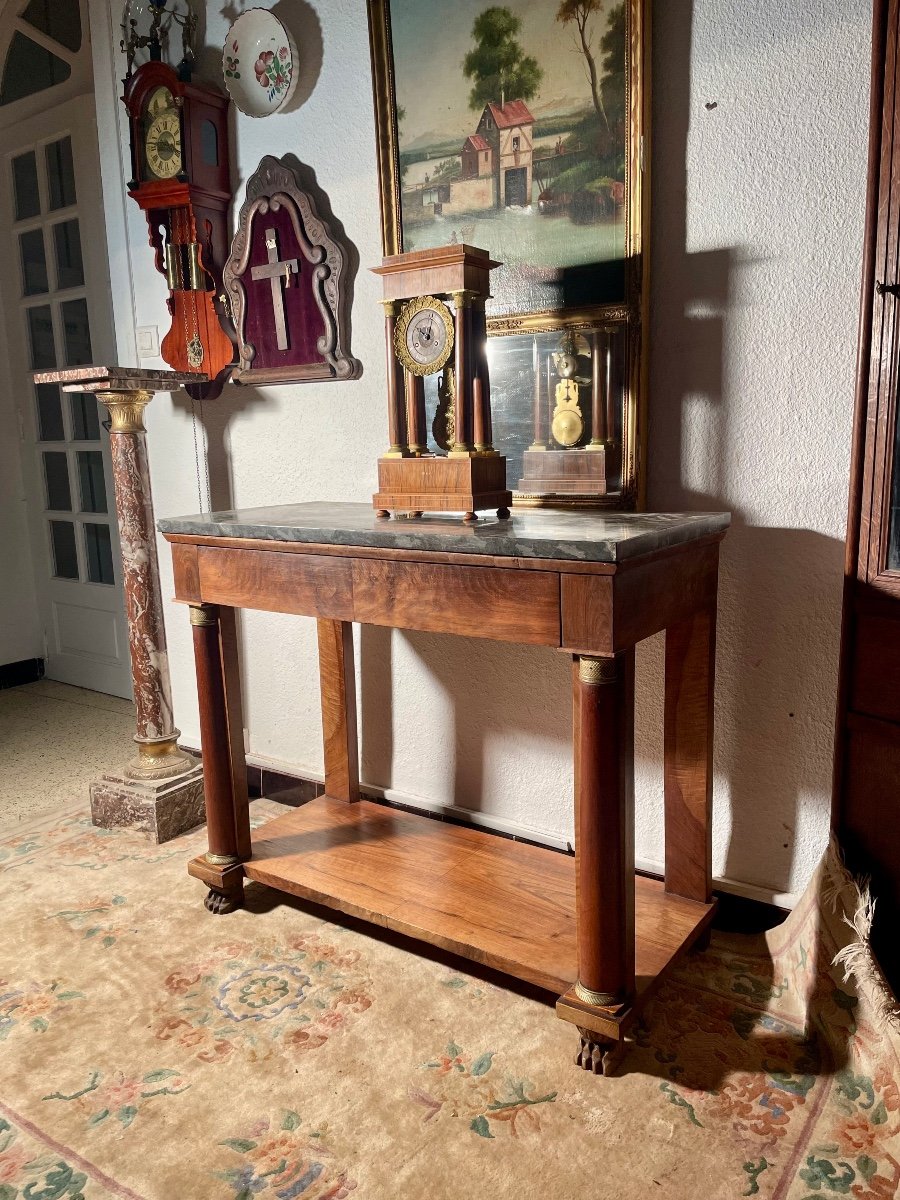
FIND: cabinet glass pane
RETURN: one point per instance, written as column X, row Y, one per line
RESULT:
column 50, row 418
column 25, row 182
column 34, row 263
column 76, row 332
column 91, row 481
column 99, row 553
column 40, row 336
column 69, row 266
column 85, row 417
column 56, row 477
column 65, row 556
column 61, row 173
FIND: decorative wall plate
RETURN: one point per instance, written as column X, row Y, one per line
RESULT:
column 259, row 63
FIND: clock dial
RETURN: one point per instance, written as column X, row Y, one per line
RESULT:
column 162, row 144
column 423, row 339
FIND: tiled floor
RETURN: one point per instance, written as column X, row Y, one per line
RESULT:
column 54, row 741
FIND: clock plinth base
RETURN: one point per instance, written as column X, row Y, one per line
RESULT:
column 565, row 472
column 433, row 483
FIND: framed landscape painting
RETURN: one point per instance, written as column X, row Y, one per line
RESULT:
column 520, row 127
column 516, row 127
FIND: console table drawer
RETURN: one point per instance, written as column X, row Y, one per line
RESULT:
column 310, row 585
column 488, row 602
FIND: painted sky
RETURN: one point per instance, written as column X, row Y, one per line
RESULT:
column 432, row 37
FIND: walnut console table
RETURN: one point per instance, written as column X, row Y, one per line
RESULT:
column 591, row 585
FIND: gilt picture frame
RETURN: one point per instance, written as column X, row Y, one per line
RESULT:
column 550, row 174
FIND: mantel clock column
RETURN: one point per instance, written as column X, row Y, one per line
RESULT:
column 160, row 790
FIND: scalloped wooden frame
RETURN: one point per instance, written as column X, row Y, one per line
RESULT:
column 272, row 186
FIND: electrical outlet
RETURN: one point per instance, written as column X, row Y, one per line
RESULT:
column 147, row 341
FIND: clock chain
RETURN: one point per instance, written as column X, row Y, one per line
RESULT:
column 195, row 404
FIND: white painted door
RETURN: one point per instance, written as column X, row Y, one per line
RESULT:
column 56, row 300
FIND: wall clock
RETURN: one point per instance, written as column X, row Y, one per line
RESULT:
column 181, row 179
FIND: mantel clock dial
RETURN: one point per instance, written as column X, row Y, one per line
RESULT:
column 423, row 336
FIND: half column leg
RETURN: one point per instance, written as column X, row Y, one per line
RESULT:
column 224, row 769
column 604, row 827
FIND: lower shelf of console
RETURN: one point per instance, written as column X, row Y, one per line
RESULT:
column 505, row 904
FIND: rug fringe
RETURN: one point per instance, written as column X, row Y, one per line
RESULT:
column 841, row 891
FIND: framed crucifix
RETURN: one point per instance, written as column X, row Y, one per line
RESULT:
column 286, row 280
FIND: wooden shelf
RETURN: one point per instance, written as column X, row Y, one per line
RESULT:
column 505, row 904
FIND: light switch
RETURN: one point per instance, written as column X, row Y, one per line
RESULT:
column 147, row 341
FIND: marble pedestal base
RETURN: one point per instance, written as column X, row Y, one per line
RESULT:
column 163, row 808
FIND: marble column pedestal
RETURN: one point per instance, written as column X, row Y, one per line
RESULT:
column 160, row 790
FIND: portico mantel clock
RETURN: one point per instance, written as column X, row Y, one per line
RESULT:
column 181, row 179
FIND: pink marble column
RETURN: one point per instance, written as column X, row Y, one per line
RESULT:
column 160, row 790
column 156, row 737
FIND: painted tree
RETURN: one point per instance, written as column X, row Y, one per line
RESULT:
column 498, row 66
column 613, row 44
column 579, row 13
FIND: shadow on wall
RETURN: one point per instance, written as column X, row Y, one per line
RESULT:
column 498, row 690
column 779, row 588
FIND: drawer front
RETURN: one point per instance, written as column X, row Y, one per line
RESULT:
column 488, row 602
column 310, row 585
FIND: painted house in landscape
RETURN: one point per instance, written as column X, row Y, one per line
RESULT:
column 509, row 130
column 495, row 165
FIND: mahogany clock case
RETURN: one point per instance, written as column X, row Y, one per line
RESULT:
column 189, row 208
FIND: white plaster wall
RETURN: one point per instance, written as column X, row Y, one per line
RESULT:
column 756, row 250
column 20, row 634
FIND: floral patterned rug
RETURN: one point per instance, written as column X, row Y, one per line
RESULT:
column 151, row 1050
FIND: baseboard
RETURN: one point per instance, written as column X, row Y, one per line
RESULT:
column 28, row 670
column 274, row 779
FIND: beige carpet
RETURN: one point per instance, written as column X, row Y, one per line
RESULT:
column 55, row 741
column 149, row 1049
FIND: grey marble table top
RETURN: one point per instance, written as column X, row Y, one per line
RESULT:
column 577, row 536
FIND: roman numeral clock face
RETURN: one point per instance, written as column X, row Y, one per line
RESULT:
column 162, row 140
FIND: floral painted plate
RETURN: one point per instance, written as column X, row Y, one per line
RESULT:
column 260, row 63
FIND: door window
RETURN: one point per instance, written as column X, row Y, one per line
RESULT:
column 56, row 324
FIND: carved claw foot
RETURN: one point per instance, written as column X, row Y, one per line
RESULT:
column 220, row 902
column 503, row 514
column 470, row 518
column 383, row 514
column 598, row 1055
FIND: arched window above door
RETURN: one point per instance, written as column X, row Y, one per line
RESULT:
column 47, row 37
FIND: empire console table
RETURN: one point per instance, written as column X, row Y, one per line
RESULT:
column 592, row 586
